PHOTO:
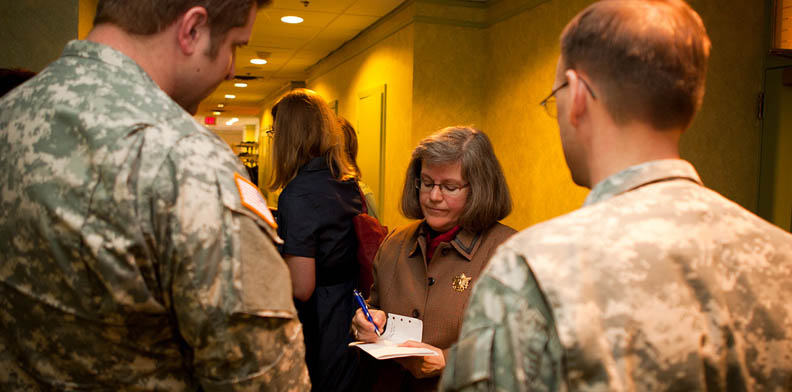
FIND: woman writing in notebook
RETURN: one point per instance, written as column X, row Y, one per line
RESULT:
column 456, row 189
column 315, row 211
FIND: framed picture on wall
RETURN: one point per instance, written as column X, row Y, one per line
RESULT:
column 782, row 28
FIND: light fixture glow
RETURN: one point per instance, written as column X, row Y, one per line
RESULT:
column 220, row 105
column 258, row 61
column 230, row 96
column 216, row 113
column 291, row 19
column 232, row 121
column 240, row 84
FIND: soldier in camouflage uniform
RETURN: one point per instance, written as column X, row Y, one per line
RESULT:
column 657, row 283
column 135, row 256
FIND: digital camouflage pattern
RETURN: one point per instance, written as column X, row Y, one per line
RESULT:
column 658, row 283
column 128, row 261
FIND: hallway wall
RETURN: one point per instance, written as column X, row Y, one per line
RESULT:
column 522, row 51
column 33, row 33
column 87, row 12
column 382, row 57
column 450, row 67
column 432, row 81
column 724, row 139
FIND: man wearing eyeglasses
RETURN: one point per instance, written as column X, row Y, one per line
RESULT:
column 657, row 282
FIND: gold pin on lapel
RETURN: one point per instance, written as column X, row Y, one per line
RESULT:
column 461, row 282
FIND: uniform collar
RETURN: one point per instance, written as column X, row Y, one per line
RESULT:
column 125, row 67
column 642, row 174
column 466, row 242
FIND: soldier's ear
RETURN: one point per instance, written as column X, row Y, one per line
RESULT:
column 577, row 97
column 191, row 28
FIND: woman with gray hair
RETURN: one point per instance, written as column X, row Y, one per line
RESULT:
column 456, row 189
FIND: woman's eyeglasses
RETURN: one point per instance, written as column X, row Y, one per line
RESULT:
column 425, row 186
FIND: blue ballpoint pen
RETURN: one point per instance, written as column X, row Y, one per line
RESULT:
column 362, row 304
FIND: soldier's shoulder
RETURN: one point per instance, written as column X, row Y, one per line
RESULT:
column 561, row 229
column 739, row 219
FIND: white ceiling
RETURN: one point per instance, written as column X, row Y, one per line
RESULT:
column 291, row 49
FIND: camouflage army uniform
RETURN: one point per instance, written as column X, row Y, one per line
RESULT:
column 656, row 284
column 128, row 261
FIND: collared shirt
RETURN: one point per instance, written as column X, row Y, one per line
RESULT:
column 640, row 175
column 435, row 291
column 128, row 260
column 658, row 283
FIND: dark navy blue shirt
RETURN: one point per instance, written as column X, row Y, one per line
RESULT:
column 315, row 214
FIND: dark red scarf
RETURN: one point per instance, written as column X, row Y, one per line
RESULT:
column 432, row 243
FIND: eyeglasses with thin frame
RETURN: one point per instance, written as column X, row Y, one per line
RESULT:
column 549, row 103
column 450, row 190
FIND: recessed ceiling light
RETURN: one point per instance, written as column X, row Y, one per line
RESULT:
column 240, row 84
column 291, row 19
column 258, row 61
column 230, row 96
column 216, row 113
column 232, row 121
column 220, row 105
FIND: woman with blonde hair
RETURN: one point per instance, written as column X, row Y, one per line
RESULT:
column 457, row 192
column 315, row 211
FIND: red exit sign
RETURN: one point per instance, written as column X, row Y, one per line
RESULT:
column 209, row 120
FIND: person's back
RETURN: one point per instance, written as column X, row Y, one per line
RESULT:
column 129, row 261
column 669, row 286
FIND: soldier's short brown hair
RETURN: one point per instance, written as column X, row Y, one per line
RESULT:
column 488, row 201
column 146, row 17
column 648, row 58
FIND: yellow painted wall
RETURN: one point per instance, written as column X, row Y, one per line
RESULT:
column 724, row 140
column 450, row 66
column 448, row 77
column 265, row 163
column 87, row 12
column 522, row 54
column 775, row 203
column 33, row 33
column 384, row 56
column 775, row 189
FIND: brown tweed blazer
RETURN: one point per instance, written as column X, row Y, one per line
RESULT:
column 432, row 290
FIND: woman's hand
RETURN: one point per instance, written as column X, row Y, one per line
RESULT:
column 423, row 367
column 363, row 328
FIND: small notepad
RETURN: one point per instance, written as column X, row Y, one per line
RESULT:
column 399, row 330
